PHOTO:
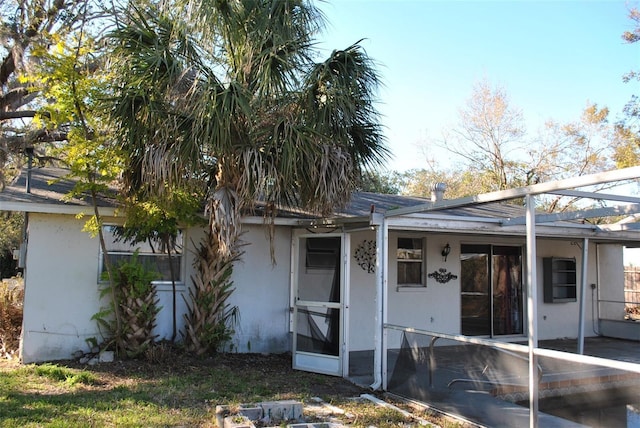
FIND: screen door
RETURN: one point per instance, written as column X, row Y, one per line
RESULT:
column 317, row 308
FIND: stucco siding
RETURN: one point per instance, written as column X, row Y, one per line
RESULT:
column 437, row 307
column 362, row 299
column 62, row 291
column 61, row 288
column 609, row 280
column 561, row 320
column 262, row 292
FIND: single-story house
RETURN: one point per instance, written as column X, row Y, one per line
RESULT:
column 458, row 266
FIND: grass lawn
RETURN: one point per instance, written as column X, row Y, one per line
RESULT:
column 175, row 391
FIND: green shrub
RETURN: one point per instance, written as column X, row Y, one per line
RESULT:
column 137, row 302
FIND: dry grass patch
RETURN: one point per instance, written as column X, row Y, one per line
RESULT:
column 179, row 391
column 11, row 309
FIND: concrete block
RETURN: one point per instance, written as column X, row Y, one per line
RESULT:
column 316, row 425
column 106, row 357
column 251, row 411
column 221, row 413
column 285, row 410
column 238, row 421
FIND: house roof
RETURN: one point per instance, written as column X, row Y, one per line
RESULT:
column 47, row 190
column 362, row 204
column 485, row 214
column 491, row 214
column 50, row 187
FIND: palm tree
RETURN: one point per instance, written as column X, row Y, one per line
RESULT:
column 228, row 96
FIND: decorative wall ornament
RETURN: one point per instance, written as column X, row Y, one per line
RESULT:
column 365, row 255
column 442, row 276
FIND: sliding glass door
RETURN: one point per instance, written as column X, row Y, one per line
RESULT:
column 491, row 290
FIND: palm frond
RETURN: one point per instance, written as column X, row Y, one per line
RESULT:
column 339, row 96
column 252, row 114
column 158, row 67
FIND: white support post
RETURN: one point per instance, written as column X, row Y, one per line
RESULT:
column 378, row 320
column 532, row 309
column 583, row 293
column 385, row 299
column 346, row 301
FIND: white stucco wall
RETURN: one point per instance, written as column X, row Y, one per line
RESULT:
column 610, row 276
column 362, row 299
column 62, row 290
column 437, row 307
column 262, row 292
column 561, row 320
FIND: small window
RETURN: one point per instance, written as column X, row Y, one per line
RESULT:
column 151, row 254
column 410, row 257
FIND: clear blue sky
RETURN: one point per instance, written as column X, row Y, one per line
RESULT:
column 551, row 57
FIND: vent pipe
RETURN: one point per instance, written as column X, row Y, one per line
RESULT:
column 437, row 192
column 29, row 152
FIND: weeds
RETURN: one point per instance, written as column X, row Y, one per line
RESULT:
column 63, row 374
column 11, row 304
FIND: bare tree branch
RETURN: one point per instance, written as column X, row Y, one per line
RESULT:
column 16, row 98
column 20, row 114
column 41, row 136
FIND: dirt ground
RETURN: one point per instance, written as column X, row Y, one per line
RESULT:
column 275, row 367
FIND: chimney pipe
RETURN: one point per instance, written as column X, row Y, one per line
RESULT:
column 437, row 192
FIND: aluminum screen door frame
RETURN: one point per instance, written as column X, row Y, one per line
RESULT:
column 318, row 307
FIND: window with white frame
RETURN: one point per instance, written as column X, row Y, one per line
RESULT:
column 410, row 262
column 150, row 253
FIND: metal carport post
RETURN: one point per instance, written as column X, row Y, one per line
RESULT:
column 532, row 308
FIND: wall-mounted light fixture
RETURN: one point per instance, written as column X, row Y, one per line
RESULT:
column 445, row 251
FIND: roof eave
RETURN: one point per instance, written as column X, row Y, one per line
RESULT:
column 49, row 208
